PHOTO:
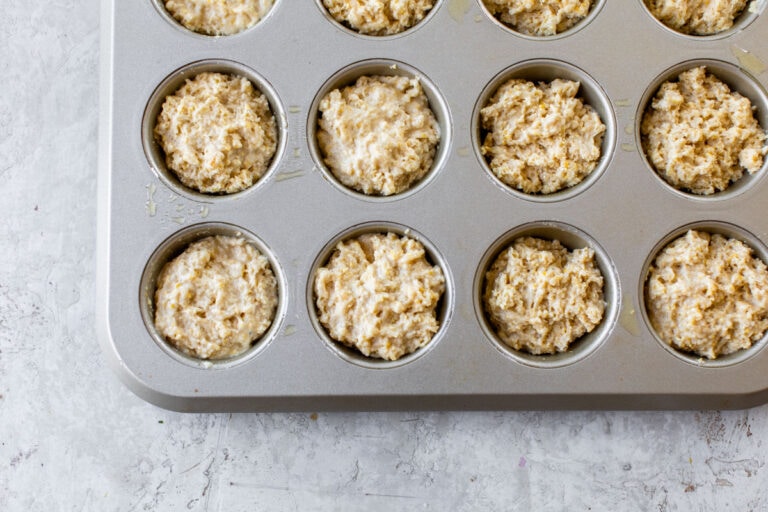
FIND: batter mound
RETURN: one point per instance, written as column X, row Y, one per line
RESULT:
column 699, row 136
column 541, row 138
column 218, row 133
column 540, row 297
column 539, row 17
column 708, row 294
column 697, row 17
column 216, row 298
column 379, row 17
column 378, row 136
column 379, row 294
column 218, row 17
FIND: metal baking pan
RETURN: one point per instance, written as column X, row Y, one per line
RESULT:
column 461, row 213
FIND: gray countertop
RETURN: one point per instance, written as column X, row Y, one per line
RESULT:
column 73, row 438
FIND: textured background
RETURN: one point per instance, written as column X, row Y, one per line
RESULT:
column 73, row 438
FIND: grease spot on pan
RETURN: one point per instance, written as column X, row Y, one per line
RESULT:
column 458, row 8
column 748, row 61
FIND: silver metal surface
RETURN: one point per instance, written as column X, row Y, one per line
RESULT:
column 621, row 54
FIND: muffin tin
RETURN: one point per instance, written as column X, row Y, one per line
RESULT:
column 462, row 214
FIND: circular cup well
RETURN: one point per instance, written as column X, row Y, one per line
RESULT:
column 444, row 307
column 597, row 6
column 713, row 227
column 571, row 238
column 750, row 13
column 738, row 81
column 154, row 152
column 175, row 245
column 349, row 30
column 383, row 67
column 545, row 70
column 160, row 7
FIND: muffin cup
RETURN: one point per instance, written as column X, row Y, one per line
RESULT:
column 160, row 6
column 546, row 70
column 738, row 81
column 571, row 238
column 444, row 310
column 593, row 12
column 750, row 13
column 382, row 67
column 351, row 31
column 712, row 227
column 154, row 152
column 175, row 245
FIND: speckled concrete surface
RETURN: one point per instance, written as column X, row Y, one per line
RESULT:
column 72, row 438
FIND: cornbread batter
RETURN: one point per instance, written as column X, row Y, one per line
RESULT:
column 218, row 17
column 379, row 294
column 216, row 298
column 218, row 133
column 379, row 17
column 541, row 17
column 541, row 138
column 708, row 294
column 697, row 17
column 699, row 135
column 378, row 136
column 540, row 297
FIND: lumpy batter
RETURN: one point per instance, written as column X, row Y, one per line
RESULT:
column 697, row 17
column 708, row 294
column 218, row 133
column 699, row 135
column 541, row 138
column 379, row 17
column 539, row 17
column 379, row 294
column 218, row 17
column 379, row 135
column 540, row 297
column 216, row 298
